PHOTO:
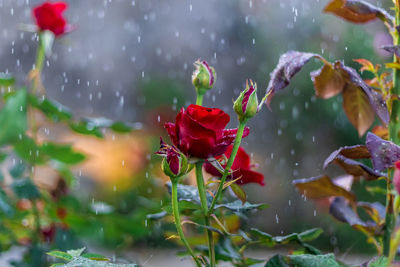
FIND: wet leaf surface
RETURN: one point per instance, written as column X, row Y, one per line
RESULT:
column 289, row 64
column 383, row 153
column 356, row 11
column 328, row 81
column 321, row 187
column 355, row 168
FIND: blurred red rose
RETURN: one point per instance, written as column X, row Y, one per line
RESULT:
column 49, row 16
column 241, row 167
column 200, row 132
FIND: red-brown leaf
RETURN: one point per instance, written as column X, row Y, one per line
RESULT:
column 356, row 11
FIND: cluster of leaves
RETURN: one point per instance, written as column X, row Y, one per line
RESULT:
column 30, row 214
column 227, row 218
column 362, row 100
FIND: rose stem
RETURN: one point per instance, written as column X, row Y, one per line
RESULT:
column 394, row 127
column 177, row 219
column 393, row 248
column 203, row 196
column 199, row 99
column 203, row 200
column 236, row 145
column 40, row 56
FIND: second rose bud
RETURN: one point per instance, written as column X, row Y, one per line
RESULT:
column 246, row 105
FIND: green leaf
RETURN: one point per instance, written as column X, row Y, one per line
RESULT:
column 95, row 257
column 13, row 117
column 85, row 128
column 62, row 153
column 4, row 204
column 327, row 260
column 17, row 170
column 305, row 260
column 51, row 109
column 76, row 252
column 377, row 262
column 3, row 157
column 189, row 193
column 60, row 255
column 310, row 235
column 277, row 261
column 156, row 216
column 117, row 126
column 271, row 241
column 6, row 79
column 239, row 192
column 29, row 151
column 25, row 188
column 120, row 127
column 238, row 206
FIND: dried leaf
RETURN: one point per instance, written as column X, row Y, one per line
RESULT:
column 289, row 64
column 342, row 212
column 321, row 187
column 375, row 99
column 383, row 153
column 355, row 168
column 356, row 11
column 357, row 108
column 351, row 152
column 328, row 81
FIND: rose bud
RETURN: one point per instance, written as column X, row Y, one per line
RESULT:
column 49, row 16
column 241, row 168
column 246, row 105
column 175, row 163
column 396, row 177
column 203, row 77
column 199, row 132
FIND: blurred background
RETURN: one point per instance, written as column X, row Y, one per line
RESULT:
column 132, row 60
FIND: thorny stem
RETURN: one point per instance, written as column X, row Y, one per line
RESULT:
column 177, row 219
column 204, row 205
column 236, row 145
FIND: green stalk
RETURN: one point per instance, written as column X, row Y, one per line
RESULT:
column 177, row 219
column 199, row 99
column 40, row 57
column 236, row 145
column 393, row 248
column 394, row 128
column 204, row 205
column 38, row 228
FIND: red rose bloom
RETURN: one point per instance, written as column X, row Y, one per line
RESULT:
column 49, row 16
column 241, row 167
column 200, row 132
